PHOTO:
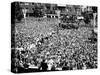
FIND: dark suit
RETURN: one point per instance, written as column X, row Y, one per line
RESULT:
column 44, row 66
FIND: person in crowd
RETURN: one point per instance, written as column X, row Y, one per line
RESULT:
column 65, row 66
column 50, row 64
column 43, row 66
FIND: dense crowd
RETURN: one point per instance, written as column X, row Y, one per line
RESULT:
column 69, row 49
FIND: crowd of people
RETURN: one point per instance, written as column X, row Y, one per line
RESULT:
column 69, row 49
column 40, row 44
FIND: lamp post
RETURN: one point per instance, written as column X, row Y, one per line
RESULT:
column 24, row 14
column 94, row 19
column 58, row 14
